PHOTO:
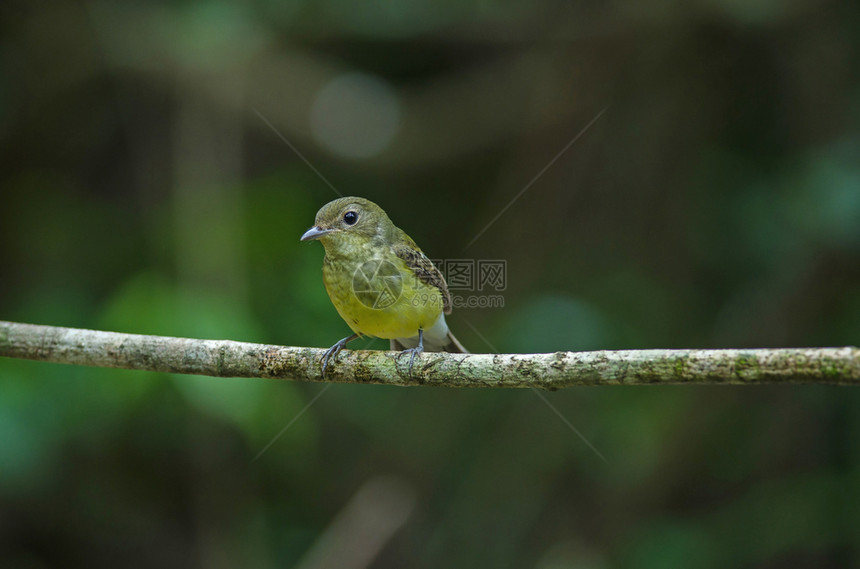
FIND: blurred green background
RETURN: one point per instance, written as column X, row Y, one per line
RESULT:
column 151, row 183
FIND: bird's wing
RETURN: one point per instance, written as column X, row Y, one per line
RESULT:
column 424, row 270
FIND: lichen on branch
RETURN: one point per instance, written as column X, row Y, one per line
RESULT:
column 226, row 358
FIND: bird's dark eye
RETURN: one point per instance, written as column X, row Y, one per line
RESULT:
column 350, row 218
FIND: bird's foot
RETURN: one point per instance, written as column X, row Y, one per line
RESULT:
column 413, row 351
column 334, row 351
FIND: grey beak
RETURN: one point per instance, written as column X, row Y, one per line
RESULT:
column 315, row 233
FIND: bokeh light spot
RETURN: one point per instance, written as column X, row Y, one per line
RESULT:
column 355, row 115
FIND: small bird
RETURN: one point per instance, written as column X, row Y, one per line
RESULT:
column 380, row 281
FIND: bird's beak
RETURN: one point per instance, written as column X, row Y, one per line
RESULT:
column 315, row 233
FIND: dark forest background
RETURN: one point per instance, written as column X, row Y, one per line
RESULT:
column 151, row 182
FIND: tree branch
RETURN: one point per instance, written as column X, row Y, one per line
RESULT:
column 225, row 358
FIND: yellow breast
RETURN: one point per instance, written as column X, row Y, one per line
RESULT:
column 381, row 297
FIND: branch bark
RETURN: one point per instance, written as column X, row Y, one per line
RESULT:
column 225, row 358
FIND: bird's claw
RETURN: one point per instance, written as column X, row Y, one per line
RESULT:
column 412, row 353
column 331, row 353
column 334, row 351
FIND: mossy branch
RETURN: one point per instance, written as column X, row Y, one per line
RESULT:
column 225, row 358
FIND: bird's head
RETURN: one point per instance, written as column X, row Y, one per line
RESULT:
column 347, row 222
